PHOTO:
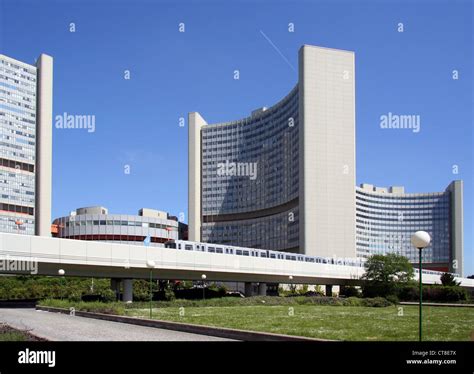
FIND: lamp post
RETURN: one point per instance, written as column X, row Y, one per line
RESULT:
column 61, row 273
column 420, row 240
column 203, row 277
column 151, row 264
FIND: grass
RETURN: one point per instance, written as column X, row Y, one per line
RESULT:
column 317, row 317
column 9, row 334
column 218, row 302
column 93, row 306
column 329, row 322
column 13, row 336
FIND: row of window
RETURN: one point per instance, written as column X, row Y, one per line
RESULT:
column 429, row 197
column 17, row 208
column 17, row 165
column 119, row 223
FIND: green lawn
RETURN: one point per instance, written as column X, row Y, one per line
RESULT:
column 9, row 334
column 329, row 322
column 12, row 337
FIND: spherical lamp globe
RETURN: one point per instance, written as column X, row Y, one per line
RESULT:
column 420, row 239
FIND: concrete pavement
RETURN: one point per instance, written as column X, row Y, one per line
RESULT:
column 61, row 327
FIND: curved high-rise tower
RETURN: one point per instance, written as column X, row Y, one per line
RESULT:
column 282, row 178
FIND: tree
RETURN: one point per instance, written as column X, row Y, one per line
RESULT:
column 384, row 274
column 448, row 279
column 388, row 268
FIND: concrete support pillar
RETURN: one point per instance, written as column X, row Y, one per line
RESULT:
column 248, row 289
column 328, row 290
column 115, row 286
column 262, row 289
column 127, row 290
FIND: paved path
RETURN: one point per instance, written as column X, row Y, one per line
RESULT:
column 62, row 327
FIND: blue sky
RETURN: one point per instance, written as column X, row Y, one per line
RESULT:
column 173, row 73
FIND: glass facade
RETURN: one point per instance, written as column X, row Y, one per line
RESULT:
column 18, row 82
column 259, row 210
column 386, row 221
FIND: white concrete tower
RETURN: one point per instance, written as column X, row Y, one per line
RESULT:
column 327, row 151
column 195, row 123
column 44, row 145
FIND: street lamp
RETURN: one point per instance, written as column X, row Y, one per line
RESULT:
column 61, row 273
column 292, row 289
column 203, row 277
column 151, row 264
column 420, row 240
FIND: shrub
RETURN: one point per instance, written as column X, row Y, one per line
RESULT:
column 108, row 295
column 169, row 294
column 393, row 299
column 222, row 290
column 75, row 296
column 446, row 294
column 448, row 279
column 303, row 290
column 349, row 291
column 353, row 301
column 120, row 308
column 435, row 293
column 376, row 302
column 408, row 293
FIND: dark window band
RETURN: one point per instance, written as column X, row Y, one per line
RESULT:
column 114, row 237
column 17, row 165
column 17, row 208
column 253, row 214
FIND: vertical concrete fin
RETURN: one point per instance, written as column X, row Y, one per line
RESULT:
column 44, row 140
